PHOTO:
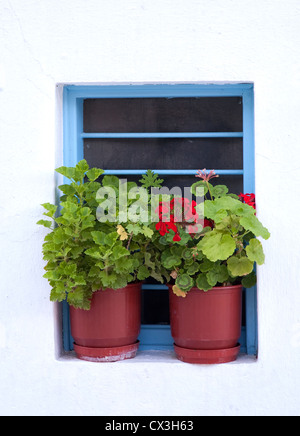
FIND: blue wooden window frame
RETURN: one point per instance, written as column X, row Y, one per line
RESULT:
column 157, row 336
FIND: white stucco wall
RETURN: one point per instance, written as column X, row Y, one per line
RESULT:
column 48, row 42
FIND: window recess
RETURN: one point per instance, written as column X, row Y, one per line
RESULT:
column 174, row 130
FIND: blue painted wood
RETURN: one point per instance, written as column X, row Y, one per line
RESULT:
column 249, row 187
column 72, row 153
column 155, row 287
column 159, row 337
column 159, row 90
column 156, row 337
column 163, row 135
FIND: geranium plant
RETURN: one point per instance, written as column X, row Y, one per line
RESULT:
column 85, row 253
column 222, row 250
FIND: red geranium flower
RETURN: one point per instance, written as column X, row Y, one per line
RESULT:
column 176, row 209
column 248, row 199
column 177, row 237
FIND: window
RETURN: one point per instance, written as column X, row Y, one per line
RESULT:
column 175, row 130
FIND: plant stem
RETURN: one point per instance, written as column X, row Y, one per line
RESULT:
column 128, row 245
column 211, row 197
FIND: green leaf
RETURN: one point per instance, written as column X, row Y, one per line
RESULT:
column 49, row 247
column 255, row 251
column 253, row 224
column 76, row 252
column 171, row 261
column 94, row 253
column 219, row 190
column 69, row 206
column 177, row 250
column 200, row 184
column 119, row 252
column 94, row 271
column 147, row 232
column 112, row 181
column 249, row 280
column 52, row 275
column 87, row 222
column 121, row 281
column 134, row 228
column 57, row 294
column 217, row 246
column 234, row 206
column 111, row 238
column 187, row 254
column 60, row 236
column 79, row 280
column 67, row 172
column 151, row 180
column 99, row 237
column 184, row 282
column 148, row 261
column 51, row 208
column 45, row 223
column 94, row 173
column 219, row 274
column 124, row 265
column 70, row 270
column 143, row 273
column 193, row 269
column 210, row 209
column 68, row 189
column 239, row 266
column 82, row 166
column 206, row 265
column 220, row 215
column 202, row 283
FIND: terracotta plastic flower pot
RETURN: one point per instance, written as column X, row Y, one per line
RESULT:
column 206, row 326
column 110, row 329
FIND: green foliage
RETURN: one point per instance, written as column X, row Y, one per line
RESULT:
column 216, row 245
column 184, row 282
column 151, row 180
column 221, row 254
column 255, row 251
column 82, row 254
column 239, row 266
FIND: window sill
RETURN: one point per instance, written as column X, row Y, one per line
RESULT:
column 153, row 356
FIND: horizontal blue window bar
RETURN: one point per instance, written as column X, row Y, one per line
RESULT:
column 155, row 287
column 163, row 135
column 174, row 172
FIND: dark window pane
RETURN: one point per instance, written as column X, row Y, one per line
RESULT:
column 203, row 114
column 233, row 182
column 155, row 306
column 212, row 153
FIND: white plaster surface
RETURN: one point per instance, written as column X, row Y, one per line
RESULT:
column 51, row 42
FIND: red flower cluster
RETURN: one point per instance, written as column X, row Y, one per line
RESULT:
column 177, row 207
column 248, row 199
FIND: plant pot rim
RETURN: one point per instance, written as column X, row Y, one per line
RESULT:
column 129, row 285
column 208, row 357
column 213, row 289
column 107, row 354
